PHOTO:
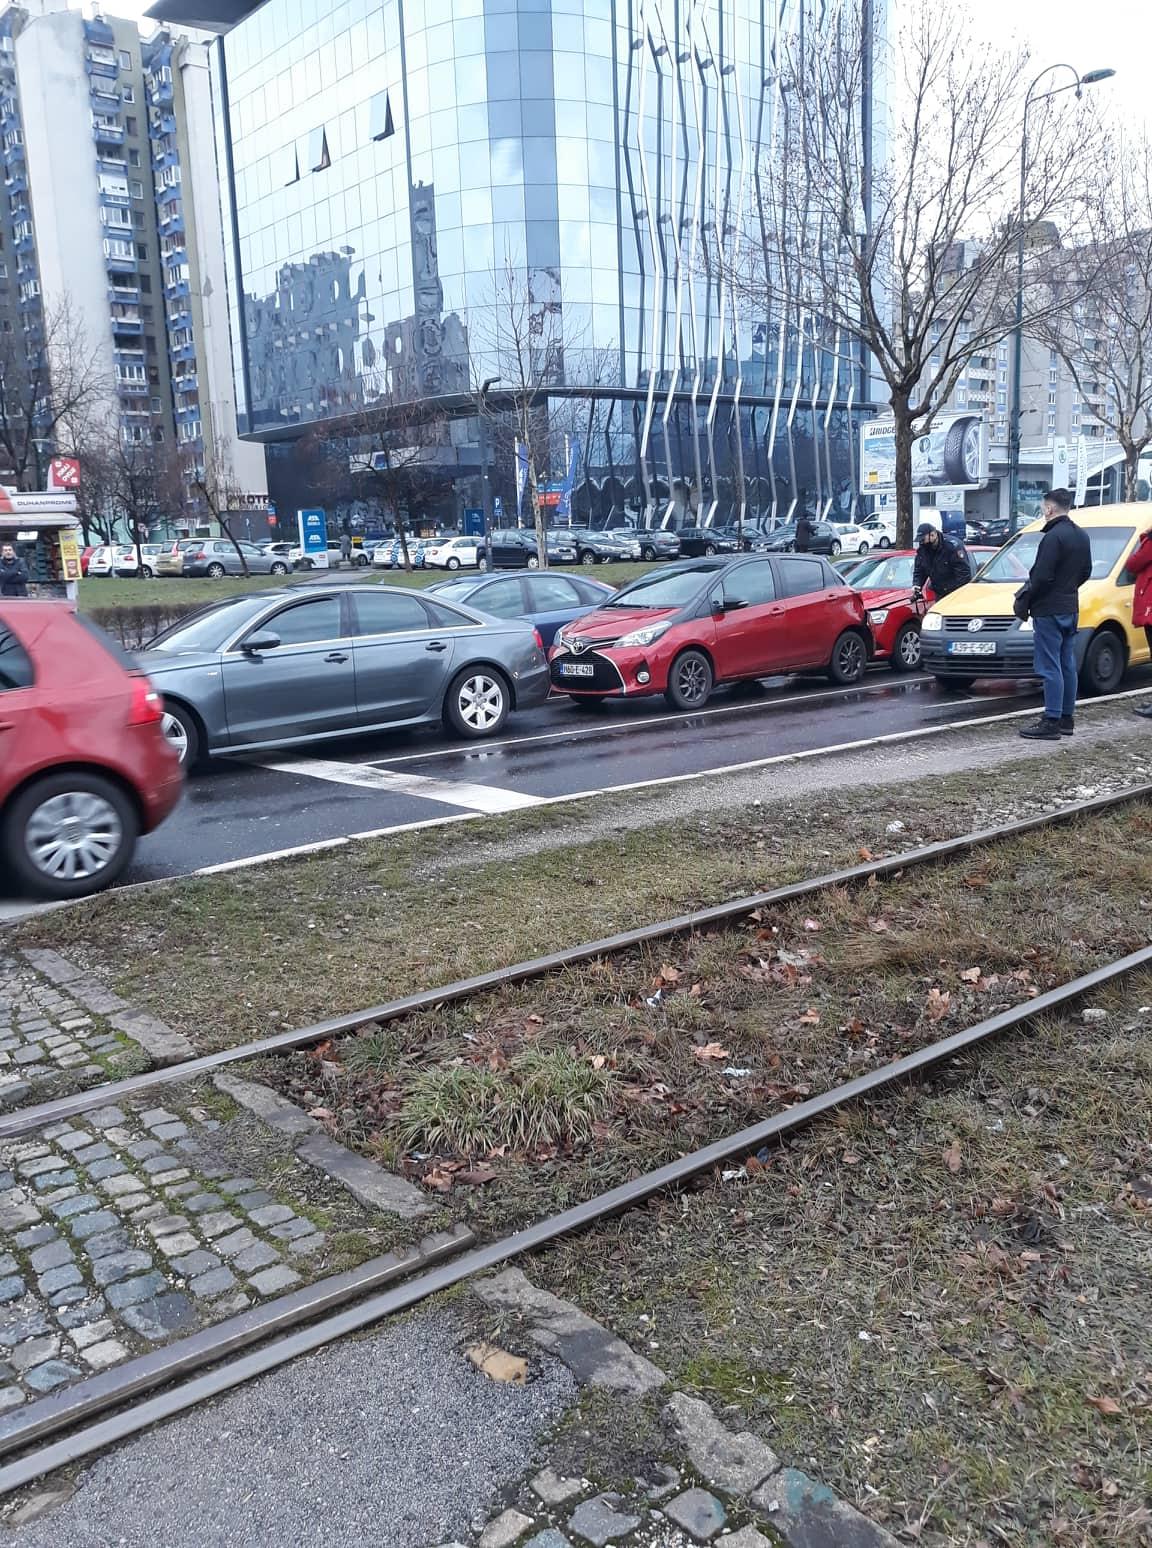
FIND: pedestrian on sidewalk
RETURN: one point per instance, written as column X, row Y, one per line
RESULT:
column 13, row 573
column 1051, row 598
column 802, row 542
column 941, row 562
column 1140, row 565
column 345, row 548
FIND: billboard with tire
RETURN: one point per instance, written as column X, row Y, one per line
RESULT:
column 952, row 454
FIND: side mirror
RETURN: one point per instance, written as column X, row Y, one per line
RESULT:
column 729, row 604
column 257, row 643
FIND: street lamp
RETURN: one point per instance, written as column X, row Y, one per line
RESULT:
column 1077, row 85
column 485, row 486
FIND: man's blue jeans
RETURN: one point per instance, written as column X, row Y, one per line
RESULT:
column 1054, row 654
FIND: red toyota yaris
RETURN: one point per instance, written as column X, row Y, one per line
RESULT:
column 684, row 628
column 84, row 765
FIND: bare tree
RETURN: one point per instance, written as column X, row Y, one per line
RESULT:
column 144, row 480
column 96, row 503
column 1104, row 336
column 211, row 475
column 392, row 442
column 53, row 383
column 518, row 339
column 907, row 256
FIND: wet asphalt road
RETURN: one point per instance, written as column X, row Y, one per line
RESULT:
column 240, row 808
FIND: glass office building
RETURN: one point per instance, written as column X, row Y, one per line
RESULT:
column 389, row 162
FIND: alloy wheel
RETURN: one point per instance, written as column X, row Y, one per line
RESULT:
column 176, row 735
column 481, row 701
column 73, row 836
column 850, row 657
column 910, row 648
column 692, row 680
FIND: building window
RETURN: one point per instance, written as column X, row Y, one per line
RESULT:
column 130, row 126
column 142, row 251
column 133, row 158
column 145, row 284
column 318, row 158
column 136, row 188
column 125, row 59
column 127, row 94
column 380, row 122
column 156, row 405
column 157, row 433
column 138, row 219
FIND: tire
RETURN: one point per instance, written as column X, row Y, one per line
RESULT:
column 360, row 561
column 147, row 572
column 907, row 649
column 884, row 542
column 482, row 563
column 587, row 556
column 709, row 549
column 182, row 733
column 453, row 563
column 52, row 863
column 216, row 571
column 962, row 452
column 863, row 549
column 648, row 554
column 956, row 680
column 477, row 702
column 1105, row 662
column 278, row 569
column 534, row 561
column 690, row 681
column 835, row 547
column 849, row 659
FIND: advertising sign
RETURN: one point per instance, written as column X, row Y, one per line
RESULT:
column 521, row 477
column 564, row 507
column 1059, row 463
column 314, row 537
column 1081, row 469
column 953, row 453
column 473, row 521
column 70, row 555
column 63, row 473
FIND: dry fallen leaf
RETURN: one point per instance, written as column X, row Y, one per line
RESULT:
column 953, row 1159
column 669, row 974
column 971, row 975
column 879, row 926
column 937, row 1003
column 711, row 1051
column 865, row 853
column 1104, row 1405
column 498, row 1365
column 321, row 1112
column 813, row 924
column 810, row 1018
column 696, row 991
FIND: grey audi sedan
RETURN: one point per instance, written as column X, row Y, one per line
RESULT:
column 302, row 664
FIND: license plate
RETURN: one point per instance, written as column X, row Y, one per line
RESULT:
column 971, row 647
column 577, row 669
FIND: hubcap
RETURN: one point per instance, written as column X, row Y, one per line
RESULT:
column 693, row 680
column 481, row 702
column 910, row 647
column 73, row 836
column 850, row 656
column 176, row 735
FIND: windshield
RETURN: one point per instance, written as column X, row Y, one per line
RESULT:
column 457, row 591
column 667, row 588
column 1015, row 559
column 883, row 572
column 209, row 627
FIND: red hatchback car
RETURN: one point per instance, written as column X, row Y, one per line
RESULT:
column 884, row 581
column 682, row 629
column 84, row 765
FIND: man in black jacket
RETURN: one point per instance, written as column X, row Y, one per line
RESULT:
column 803, row 539
column 13, row 573
column 1051, row 597
column 941, row 562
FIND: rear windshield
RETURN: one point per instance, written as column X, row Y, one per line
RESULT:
column 1016, row 558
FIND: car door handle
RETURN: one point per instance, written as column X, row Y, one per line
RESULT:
column 436, row 645
column 336, row 655
column 775, row 612
column 5, row 725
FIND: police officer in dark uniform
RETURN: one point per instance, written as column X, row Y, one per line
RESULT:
column 941, row 562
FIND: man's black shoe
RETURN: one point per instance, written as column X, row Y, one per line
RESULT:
column 1044, row 730
column 1145, row 712
column 1067, row 726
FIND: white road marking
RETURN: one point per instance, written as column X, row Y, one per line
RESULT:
column 365, row 776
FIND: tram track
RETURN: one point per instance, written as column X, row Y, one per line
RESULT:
column 103, row 1410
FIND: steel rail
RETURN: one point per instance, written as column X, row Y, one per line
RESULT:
column 222, row 1377
column 22, row 1120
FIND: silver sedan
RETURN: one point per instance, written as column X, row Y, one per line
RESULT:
column 303, row 664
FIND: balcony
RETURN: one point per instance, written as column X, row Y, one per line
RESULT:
column 127, row 293
column 119, row 263
column 107, row 131
column 183, row 351
column 16, row 183
column 188, row 383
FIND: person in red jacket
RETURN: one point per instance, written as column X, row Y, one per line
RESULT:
column 1140, row 565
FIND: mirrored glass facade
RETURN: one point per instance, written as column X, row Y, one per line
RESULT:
column 390, row 161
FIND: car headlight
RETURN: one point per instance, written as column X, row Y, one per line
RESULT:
column 933, row 623
column 645, row 636
column 1025, row 626
column 877, row 616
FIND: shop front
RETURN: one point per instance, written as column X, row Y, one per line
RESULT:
column 45, row 532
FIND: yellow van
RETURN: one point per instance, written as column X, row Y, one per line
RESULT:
column 974, row 633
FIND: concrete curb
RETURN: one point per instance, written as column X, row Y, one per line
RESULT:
column 157, row 1039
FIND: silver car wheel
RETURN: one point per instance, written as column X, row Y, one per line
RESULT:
column 481, row 701
column 176, row 736
column 73, row 835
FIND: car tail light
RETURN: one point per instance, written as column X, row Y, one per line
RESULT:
column 539, row 638
column 147, row 705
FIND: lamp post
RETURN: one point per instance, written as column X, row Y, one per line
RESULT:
column 485, row 486
column 1077, row 84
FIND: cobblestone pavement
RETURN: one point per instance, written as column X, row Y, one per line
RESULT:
column 124, row 1228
